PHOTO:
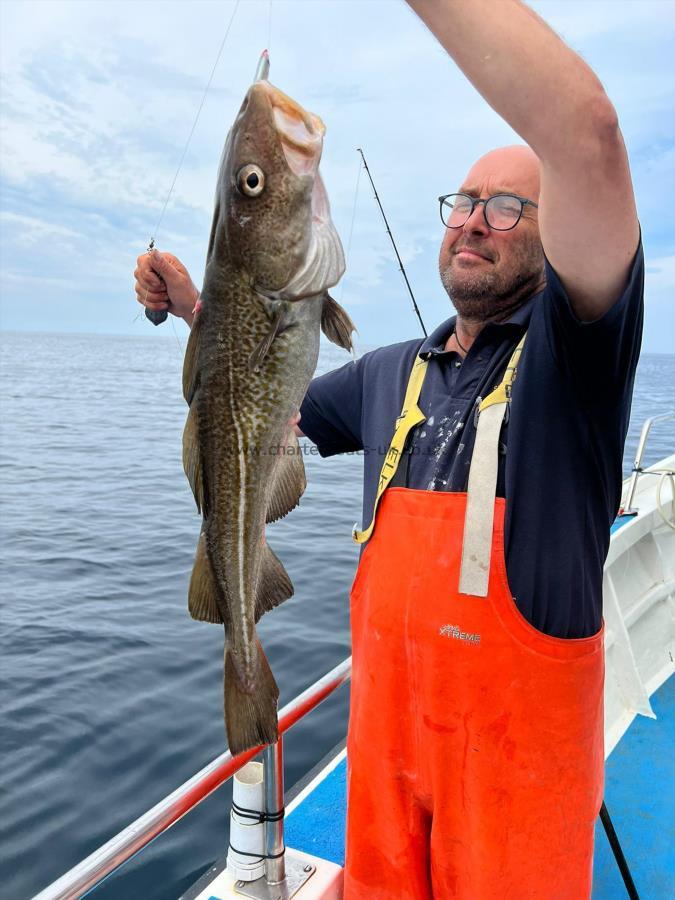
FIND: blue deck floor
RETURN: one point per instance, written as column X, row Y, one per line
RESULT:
column 639, row 783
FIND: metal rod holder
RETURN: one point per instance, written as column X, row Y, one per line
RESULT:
column 273, row 786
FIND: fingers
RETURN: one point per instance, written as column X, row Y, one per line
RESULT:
column 162, row 282
column 152, row 299
column 146, row 275
column 150, row 289
column 172, row 260
column 146, row 279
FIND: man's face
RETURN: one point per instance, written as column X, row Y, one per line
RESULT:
column 488, row 273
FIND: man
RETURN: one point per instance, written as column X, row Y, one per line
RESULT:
column 475, row 739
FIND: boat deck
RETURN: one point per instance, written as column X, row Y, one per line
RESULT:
column 639, row 777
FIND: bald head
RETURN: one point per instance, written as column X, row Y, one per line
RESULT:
column 506, row 169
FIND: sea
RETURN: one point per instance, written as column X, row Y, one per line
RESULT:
column 111, row 694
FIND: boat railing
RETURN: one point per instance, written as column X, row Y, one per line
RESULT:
column 119, row 849
column 637, row 469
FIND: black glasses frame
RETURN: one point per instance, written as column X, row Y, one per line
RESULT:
column 476, row 202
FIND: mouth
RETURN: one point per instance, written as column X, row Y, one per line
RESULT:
column 300, row 132
column 470, row 253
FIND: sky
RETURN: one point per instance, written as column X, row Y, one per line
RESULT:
column 98, row 98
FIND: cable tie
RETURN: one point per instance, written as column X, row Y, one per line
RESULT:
column 258, row 856
column 257, row 814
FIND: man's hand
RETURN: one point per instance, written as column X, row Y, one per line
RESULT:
column 163, row 283
column 295, row 426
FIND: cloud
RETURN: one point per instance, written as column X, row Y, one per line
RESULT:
column 661, row 274
column 30, row 231
column 98, row 100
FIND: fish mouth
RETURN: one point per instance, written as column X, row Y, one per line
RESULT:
column 300, row 132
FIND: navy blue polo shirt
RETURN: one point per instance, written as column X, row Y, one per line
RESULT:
column 560, row 451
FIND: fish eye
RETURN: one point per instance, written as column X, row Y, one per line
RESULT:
column 251, row 180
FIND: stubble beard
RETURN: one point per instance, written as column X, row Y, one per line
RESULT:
column 491, row 294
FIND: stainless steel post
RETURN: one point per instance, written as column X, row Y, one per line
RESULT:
column 637, row 465
column 273, row 779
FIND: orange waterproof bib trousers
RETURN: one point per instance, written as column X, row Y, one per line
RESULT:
column 475, row 746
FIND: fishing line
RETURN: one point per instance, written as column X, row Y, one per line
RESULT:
column 158, row 317
column 351, row 227
column 393, row 243
column 194, row 124
column 269, row 28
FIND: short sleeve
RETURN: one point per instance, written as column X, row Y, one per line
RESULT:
column 331, row 411
column 598, row 357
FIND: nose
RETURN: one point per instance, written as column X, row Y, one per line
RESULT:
column 476, row 223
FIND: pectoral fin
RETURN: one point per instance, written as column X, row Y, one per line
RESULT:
column 336, row 324
column 258, row 356
column 289, row 480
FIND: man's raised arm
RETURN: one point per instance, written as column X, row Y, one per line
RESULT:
column 547, row 93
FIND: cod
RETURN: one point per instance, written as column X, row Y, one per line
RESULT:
column 273, row 252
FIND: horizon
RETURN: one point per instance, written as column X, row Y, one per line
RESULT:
column 360, row 347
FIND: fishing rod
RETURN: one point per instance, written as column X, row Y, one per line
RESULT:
column 393, row 243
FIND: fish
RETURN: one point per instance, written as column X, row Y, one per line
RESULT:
column 273, row 253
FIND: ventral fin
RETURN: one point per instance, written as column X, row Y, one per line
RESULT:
column 257, row 358
column 190, row 369
column 203, row 590
column 274, row 585
column 336, row 324
column 289, row 480
column 251, row 719
column 191, row 455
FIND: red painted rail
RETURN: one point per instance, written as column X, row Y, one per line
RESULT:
column 88, row 873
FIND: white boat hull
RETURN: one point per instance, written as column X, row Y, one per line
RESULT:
column 639, row 605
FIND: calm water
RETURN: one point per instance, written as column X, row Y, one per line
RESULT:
column 111, row 693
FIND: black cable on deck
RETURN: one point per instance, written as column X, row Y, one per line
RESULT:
column 618, row 853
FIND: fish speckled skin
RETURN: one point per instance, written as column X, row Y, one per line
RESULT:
column 273, row 252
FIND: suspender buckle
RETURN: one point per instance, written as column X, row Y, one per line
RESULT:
column 476, row 411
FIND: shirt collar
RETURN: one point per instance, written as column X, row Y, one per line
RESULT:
column 434, row 344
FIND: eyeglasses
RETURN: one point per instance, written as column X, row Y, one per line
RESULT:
column 502, row 212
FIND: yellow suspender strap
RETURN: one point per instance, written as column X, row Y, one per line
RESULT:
column 502, row 393
column 410, row 416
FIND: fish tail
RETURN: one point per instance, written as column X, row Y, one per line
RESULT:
column 250, row 716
